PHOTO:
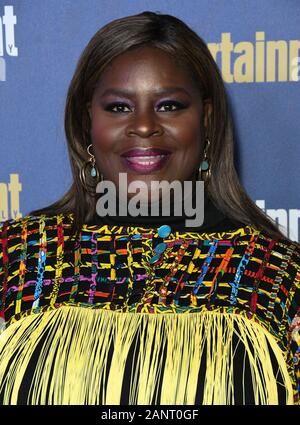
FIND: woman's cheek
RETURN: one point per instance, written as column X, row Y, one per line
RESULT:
column 101, row 139
column 187, row 131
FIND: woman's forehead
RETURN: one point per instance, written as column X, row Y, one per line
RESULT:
column 145, row 67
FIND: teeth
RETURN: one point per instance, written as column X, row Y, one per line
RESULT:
column 145, row 160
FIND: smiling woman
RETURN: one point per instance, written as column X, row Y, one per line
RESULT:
column 142, row 126
column 144, row 309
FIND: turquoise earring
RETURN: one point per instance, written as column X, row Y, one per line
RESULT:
column 89, row 171
column 204, row 169
column 204, row 165
column 92, row 160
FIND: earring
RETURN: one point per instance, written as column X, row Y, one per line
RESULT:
column 204, row 169
column 88, row 171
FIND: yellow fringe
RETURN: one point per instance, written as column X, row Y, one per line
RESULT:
column 2, row 325
column 77, row 346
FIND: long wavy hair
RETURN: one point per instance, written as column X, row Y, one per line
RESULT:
column 173, row 36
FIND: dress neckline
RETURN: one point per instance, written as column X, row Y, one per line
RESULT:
column 149, row 232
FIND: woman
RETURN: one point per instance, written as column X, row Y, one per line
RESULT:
column 146, row 310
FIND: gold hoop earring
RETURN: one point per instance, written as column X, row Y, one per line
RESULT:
column 89, row 174
column 204, row 172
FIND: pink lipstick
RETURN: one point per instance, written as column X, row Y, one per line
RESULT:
column 145, row 160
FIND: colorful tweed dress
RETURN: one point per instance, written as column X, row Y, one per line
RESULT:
column 133, row 315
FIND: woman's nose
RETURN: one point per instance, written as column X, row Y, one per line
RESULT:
column 144, row 124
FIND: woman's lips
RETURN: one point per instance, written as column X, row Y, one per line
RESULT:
column 145, row 164
column 145, row 160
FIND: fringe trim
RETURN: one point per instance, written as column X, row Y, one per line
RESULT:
column 76, row 367
column 2, row 325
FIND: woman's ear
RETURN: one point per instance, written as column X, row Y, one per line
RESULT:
column 207, row 111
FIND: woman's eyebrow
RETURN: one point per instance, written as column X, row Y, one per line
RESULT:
column 125, row 92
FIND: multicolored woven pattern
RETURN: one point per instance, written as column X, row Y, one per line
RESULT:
column 242, row 271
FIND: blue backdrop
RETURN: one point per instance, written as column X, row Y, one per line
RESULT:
column 255, row 43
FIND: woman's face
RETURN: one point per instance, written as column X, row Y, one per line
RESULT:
column 143, row 101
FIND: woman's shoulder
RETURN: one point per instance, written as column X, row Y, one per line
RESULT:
column 33, row 223
column 276, row 244
column 283, row 255
column 289, row 248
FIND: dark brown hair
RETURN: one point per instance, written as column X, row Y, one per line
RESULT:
column 173, row 36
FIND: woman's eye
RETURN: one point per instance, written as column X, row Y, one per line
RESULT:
column 170, row 105
column 116, row 107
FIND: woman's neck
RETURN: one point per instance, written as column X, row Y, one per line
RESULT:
column 212, row 217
